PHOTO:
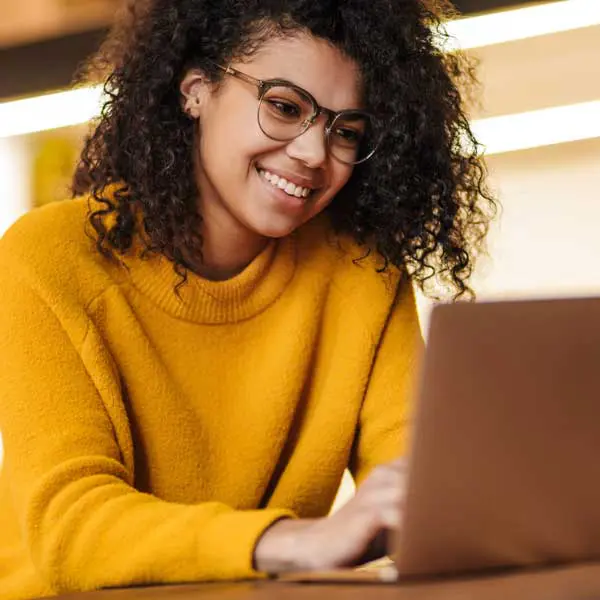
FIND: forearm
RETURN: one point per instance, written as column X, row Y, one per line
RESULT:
column 283, row 547
column 96, row 531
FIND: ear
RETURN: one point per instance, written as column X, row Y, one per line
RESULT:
column 195, row 90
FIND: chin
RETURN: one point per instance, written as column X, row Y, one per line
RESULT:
column 272, row 224
column 276, row 231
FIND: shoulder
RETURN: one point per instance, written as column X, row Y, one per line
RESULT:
column 50, row 250
column 356, row 274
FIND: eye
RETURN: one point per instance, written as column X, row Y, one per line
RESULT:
column 285, row 109
column 348, row 135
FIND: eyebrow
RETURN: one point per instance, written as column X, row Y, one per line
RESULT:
column 294, row 84
column 283, row 80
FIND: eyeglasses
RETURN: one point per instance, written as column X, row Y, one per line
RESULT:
column 286, row 111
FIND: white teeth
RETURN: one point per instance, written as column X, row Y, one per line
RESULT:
column 283, row 184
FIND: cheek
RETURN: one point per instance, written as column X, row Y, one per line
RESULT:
column 234, row 146
column 229, row 131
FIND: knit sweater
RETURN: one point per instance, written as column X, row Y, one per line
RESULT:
column 151, row 437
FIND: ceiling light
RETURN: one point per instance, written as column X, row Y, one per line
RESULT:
column 499, row 134
column 537, row 128
column 521, row 23
column 50, row 111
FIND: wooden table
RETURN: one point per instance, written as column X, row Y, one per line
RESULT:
column 572, row 583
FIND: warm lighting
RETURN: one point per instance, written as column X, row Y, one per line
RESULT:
column 499, row 134
column 522, row 23
column 78, row 106
column 50, row 111
column 15, row 181
column 537, row 128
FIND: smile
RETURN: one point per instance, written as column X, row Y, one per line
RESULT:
column 288, row 187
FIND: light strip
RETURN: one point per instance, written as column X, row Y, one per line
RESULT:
column 50, row 111
column 74, row 107
column 506, row 133
column 538, row 128
column 499, row 134
column 521, row 23
column 78, row 106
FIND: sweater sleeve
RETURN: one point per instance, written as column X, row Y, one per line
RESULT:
column 84, row 524
column 385, row 414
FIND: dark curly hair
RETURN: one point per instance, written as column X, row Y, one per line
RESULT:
column 421, row 202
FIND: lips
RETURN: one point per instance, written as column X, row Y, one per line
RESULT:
column 289, row 177
column 290, row 188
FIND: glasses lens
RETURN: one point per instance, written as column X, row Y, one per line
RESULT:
column 284, row 112
column 352, row 137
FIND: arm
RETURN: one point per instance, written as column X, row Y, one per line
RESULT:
column 385, row 414
column 83, row 522
column 355, row 533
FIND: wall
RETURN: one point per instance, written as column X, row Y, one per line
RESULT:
column 547, row 242
column 15, row 189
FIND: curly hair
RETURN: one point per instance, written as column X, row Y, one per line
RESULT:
column 421, row 202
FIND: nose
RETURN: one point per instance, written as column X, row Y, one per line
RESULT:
column 310, row 147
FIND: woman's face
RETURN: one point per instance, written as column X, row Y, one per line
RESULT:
column 240, row 169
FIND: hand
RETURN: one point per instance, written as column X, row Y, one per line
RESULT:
column 349, row 537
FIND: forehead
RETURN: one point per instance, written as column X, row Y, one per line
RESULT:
column 313, row 64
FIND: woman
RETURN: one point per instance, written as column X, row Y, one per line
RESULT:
column 184, row 386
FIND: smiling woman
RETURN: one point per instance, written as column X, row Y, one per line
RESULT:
column 281, row 130
column 222, row 321
column 371, row 59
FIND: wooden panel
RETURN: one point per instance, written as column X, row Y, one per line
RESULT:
column 541, row 72
column 25, row 21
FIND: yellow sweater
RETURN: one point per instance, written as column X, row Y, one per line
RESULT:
column 152, row 439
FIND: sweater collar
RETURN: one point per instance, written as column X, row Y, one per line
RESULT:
column 217, row 302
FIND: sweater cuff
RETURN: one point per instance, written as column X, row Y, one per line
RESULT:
column 235, row 536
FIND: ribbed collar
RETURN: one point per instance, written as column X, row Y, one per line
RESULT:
column 217, row 302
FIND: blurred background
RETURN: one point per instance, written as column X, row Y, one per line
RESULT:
column 538, row 115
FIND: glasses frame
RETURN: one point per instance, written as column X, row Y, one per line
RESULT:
column 264, row 85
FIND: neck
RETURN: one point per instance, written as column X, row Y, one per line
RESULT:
column 228, row 246
column 226, row 253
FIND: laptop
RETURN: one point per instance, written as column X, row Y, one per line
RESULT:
column 504, row 459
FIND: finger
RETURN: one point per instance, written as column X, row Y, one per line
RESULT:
column 390, row 496
column 378, row 501
column 391, row 517
column 401, row 460
column 384, row 476
column 399, row 464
